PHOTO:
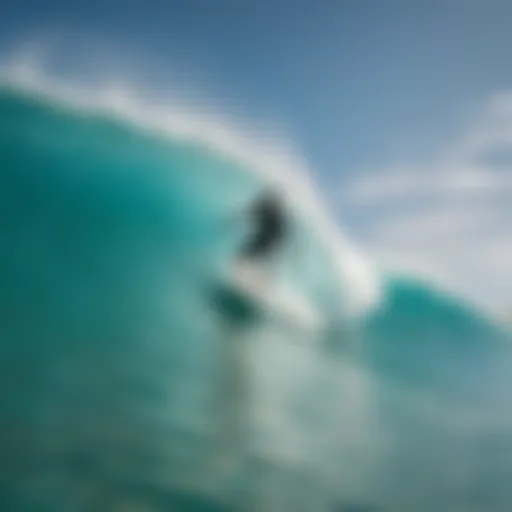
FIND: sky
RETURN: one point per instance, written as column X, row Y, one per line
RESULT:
column 402, row 108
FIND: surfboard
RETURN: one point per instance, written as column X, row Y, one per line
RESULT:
column 251, row 293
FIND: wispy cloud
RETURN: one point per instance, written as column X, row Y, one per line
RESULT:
column 450, row 218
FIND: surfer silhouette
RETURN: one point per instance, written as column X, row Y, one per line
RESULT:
column 269, row 219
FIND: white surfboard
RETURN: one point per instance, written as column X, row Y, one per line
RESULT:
column 277, row 299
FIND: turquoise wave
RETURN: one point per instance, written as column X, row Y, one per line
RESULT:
column 127, row 382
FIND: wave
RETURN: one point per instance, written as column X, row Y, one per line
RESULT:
column 268, row 159
column 125, row 385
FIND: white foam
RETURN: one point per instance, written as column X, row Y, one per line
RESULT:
column 272, row 159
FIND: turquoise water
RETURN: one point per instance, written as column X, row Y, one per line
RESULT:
column 127, row 386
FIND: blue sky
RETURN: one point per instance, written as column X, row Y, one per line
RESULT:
column 371, row 91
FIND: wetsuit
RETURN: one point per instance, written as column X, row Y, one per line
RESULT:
column 270, row 229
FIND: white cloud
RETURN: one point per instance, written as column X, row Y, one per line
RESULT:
column 450, row 219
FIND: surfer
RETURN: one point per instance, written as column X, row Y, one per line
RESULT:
column 269, row 219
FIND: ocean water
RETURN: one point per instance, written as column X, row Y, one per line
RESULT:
column 128, row 383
